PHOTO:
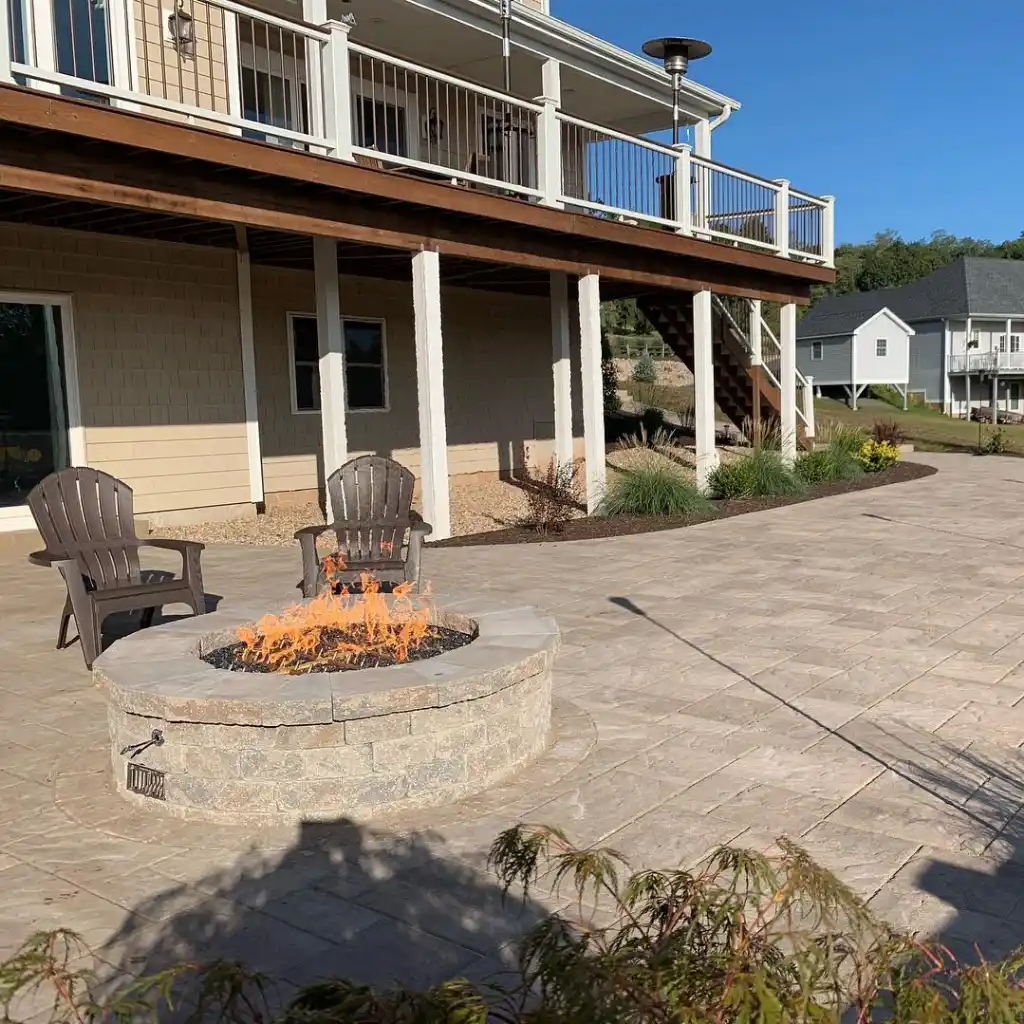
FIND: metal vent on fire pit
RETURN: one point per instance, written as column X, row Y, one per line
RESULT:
column 146, row 781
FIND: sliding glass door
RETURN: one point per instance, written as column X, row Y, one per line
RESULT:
column 35, row 427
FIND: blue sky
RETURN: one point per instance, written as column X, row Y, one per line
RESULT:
column 910, row 112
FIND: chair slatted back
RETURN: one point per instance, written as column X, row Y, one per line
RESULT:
column 82, row 514
column 372, row 496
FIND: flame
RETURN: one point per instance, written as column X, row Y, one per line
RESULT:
column 335, row 628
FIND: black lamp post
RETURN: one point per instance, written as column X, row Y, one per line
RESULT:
column 676, row 52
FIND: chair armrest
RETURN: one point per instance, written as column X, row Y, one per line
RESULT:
column 312, row 531
column 45, row 558
column 421, row 527
column 171, row 544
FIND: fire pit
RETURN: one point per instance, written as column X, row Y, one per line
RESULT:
column 344, row 705
column 338, row 632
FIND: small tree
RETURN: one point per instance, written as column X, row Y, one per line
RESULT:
column 609, row 377
column 644, row 370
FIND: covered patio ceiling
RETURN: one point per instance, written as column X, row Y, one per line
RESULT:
column 471, row 49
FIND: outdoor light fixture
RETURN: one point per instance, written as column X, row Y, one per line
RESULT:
column 182, row 30
column 676, row 53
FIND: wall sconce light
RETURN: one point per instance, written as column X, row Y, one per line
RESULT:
column 181, row 27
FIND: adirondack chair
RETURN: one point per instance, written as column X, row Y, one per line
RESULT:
column 371, row 499
column 86, row 520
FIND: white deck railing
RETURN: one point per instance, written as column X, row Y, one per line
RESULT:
column 411, row 117
column 987, row 362
column 221, row 64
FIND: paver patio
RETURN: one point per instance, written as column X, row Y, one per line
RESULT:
column 849, row 672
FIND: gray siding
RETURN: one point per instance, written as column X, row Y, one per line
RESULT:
column 836, row 359
column 927, row 359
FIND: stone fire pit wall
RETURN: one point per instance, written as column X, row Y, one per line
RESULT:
column 244, row 747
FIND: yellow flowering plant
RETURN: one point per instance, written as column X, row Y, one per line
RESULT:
column 875, row 456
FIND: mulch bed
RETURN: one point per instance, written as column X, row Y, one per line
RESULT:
column 437, row 641
column 619, row 526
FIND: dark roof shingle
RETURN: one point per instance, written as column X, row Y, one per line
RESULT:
column 969, row 286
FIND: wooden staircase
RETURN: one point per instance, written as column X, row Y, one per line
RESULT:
column 736, row 381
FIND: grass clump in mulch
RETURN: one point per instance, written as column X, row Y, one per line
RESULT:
column 762, row 474
column 654, row 490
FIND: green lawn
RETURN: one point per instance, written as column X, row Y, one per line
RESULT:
column 926, row 429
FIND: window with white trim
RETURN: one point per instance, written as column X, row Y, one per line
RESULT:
column 1014, row 342
column 817, row 350
column 366, row 379
column 1002, row 342
column 881, row 348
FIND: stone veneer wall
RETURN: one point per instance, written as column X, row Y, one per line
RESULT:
column 244, row 747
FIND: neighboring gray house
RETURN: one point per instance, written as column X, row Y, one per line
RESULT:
column 968, row 327
column 852, row 349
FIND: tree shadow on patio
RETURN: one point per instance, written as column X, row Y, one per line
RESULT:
column 972, row 901
column 345, row 901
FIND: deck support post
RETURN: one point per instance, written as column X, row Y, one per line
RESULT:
column 704, row 389
column 995, row 398
column 330, row 334
column 756, row 362
column 246, row 334
column 593, row 393
column 787, row 381
column 426, row 303
column 561, row 368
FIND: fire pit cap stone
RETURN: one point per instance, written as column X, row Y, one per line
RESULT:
column 159, row 672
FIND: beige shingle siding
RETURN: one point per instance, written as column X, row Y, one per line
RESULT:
column 159, row 358
column 497, row 352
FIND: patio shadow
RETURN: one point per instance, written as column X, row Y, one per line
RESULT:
column 344, row 900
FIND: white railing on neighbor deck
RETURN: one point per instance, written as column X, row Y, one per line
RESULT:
column 987, row 362
column 221, row 64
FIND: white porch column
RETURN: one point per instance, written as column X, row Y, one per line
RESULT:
column 6, row 32
column 702, row 138
column 315, row 13
column 246, row 334
column 787, row 374
column 782, row 217
column 426, row 303
column 593, row 392
column 39, row 29
column 331, row 339
column 561, row 370
column 337, row 91
column 704, row 388
column 828, row 231
column 755, row 332
column 682, row 211
column 549, row 136
column 995, row 397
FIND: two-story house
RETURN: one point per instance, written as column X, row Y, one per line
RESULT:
column 963, row 331
column 240, row 243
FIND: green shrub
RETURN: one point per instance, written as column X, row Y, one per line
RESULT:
column 609, row 377
column 653, row 490
column 823, row 465
column 762, row 474
column 644, row 370
column 764, row 433
column 652, row 419
column 875, row 456
column 997, row 442
column 742, row 938
column 839, row 435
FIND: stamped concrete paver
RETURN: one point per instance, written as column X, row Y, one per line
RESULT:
column 848, row 672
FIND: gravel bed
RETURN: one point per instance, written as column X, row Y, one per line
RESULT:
column 479, row 504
